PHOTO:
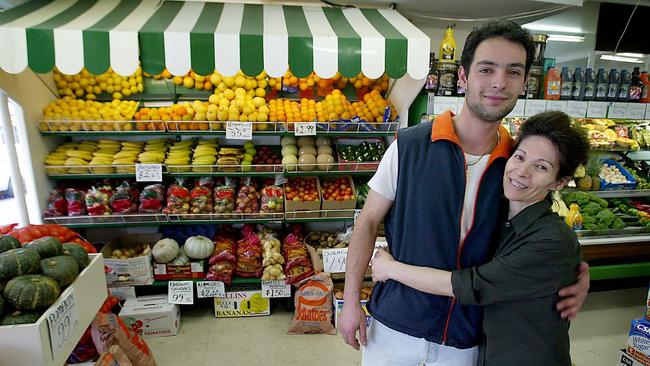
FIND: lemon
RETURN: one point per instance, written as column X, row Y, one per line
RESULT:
column 117, row 95
column 240, row 81
column 178, row 80
column 229, row 81
column 188, row 82
column 215, row 78
column 229, row 94
column 213, row 99
column 258, row 102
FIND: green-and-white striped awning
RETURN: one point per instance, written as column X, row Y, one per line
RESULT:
column 226, row 37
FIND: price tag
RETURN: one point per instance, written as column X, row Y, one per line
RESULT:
column 556, row 105
column 180, row 292
column 210, row 289
column 617, row 110
column 597, row 109
column 271, row 289
column 305, row 128
column 577, row 109
column 334, row 260
column 534, row 106
column 148, row 172
column 518, row 110
column 430, row 102
column 62, row 320
column 239, row 130
column 443, row 104
column 357, row 212
column 123, row 292
column 635, row 111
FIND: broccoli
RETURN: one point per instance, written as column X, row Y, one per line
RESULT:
column 582, row 198
column 569, row 198
column 617, row 224
column 605, row 217
column 587, row 219
column 601, row 202
column 594, row 227
column 591, row 208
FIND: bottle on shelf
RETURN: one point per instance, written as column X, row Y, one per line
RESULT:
column 431, row 84
column 566, row 83
column 602, row 85
column 624, row 86
column 636, row 85
column 574, row 218
column 552, row 85
column 614, row 82
column 578, row 92
column 534, row 81
column 645, row 89
column 589, row 84
column 448, row 46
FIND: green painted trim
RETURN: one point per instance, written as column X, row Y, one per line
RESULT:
column 40, row 38
column 251, row 40
column 152, row 42
column 22, row 10
column 349, row 43
column 202, row 39
column 619, row 271
column 396, row 52
column 301, row 42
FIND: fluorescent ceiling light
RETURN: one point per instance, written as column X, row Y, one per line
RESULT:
column 565, row 38
column 621, row 59
column 628, row 54
column 552, row 28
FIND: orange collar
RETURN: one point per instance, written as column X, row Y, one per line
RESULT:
column 443, row 129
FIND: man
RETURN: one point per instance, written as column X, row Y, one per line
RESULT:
column 439, row 189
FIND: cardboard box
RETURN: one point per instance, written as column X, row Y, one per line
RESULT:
column 625, row 360
column 354, row 165
column 638, row 342
column 348, row 205
column 29, row 344
column 151, row 316
column 167, row 271
column 647, row 306
column 292, row 207
column 338, row 307
column 132, row 271
column 241, row 302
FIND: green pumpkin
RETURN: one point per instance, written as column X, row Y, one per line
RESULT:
column 77, row 253
column 8, row 242
column 3, row 283
column 2, row 305
column 47, row 246
column 18, row 317
column 31, row 292
column 62, row 268
column 17, row 262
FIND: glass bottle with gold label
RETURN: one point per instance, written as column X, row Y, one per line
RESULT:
column 448, row 46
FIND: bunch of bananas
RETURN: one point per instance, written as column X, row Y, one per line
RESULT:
column 127, row 156
column 73, row 154
column 154, row 152
column 179, row 154
column 103, row 156
column 205, row 155
column 229, row 156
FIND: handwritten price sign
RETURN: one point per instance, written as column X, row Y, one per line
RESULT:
column 62, row 320
column 334, row 260
column 272, row 289
column 305, row 128
column 210, row 289
column 148, row 172
column 180, row 292
column 239, row 130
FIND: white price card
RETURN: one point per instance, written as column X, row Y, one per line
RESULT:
column 357, row 212
column 239, row 130
column 271, row 289
column 443, row 104
column 180, row 292
column 518, row 110
column 62, row 320
column 556, row 105
column 617, row 110
column 305, row 128
column 635, row 111
column 123, row 292
column 210, row 289
column 577, row 109
column 334, row 260
column 597, row 109
column 534, row 106
column 148, row 172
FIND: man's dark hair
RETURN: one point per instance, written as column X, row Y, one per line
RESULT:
column 501, row 28
column 569, row 140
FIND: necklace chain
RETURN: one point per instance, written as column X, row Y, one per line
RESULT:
column 469, row 164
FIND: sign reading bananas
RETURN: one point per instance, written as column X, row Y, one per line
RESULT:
column 148, row 172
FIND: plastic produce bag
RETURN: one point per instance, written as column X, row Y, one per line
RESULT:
column 151, row 199
column 178, row 199
column 297, row 263
column 98, row 202
column 249, row 254
column 273, row 197
column 248, row 198
column 76, row 202
column 223, row 261
column 201, row 197
column 224, row 197
column 56, row 204
column 124, row 199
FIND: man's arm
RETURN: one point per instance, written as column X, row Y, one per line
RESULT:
column 360, row 250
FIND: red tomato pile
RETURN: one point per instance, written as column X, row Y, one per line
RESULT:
column 302, row 189
column 338, row 190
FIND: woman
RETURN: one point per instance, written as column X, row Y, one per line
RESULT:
column 537, row 254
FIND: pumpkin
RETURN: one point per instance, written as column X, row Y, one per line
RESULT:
column 31, row 292
column 198, row 247
column 2, row 305
column 165, row 250
column 18, row 317
column 62, row 268
column 47, row 246
column 16, row 262
column 181, row 259
column 77, row 253
column 8, row 242
column 3, row 283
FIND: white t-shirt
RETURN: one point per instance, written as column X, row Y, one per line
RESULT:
column 384, row 182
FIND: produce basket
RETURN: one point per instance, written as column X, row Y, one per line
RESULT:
column 370, row 156
column 605, row 186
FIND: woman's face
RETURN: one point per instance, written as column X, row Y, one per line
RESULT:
column 531, row 172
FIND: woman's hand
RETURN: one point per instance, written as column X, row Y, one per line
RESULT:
column 381, row 266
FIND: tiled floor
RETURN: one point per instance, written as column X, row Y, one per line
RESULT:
column 600, row 329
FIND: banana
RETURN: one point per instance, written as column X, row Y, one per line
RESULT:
column 126, row 155
column 75, row 161
column 132, row 144
column 123, row 161
column 207, row 160
column 98, row 154
column 79, row 154
column 108, row 142
column 229, row 151
column 54, row 162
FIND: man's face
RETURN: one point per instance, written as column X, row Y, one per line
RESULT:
column 496, row 77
